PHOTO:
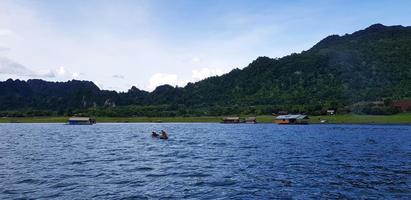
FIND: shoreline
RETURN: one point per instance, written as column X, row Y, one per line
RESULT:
column 398, row 119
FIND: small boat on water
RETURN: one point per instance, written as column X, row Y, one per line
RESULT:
column 81, row 121
column 163, row 135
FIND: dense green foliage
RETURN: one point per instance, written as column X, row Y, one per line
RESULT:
column 368, row 65
column 402, row 118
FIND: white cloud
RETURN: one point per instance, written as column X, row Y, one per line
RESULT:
column 75, row 75
column 99, row 84
column 8, row 66
column 92, row 48
column 206, row 72
column 96, row 44
column 61, row 71
column 4, row 48
column 118, row 76
column 162, row 79
column 43, row 73
column 195, row 60
column 175, row 80
column 5, row 32
column 11, row 67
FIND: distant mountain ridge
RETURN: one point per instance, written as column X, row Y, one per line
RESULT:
column 367, row 65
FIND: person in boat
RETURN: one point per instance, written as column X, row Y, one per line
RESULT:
column 154, row 134
column 163, row 135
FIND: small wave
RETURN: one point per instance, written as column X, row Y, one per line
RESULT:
column 119, row 182
column 194, row 175
column 10, row 192
column 285, row 183
column 145, row 168
column 104, row 195
column 30, row 181
column 136, row 169
column 63, row 185
column 51, row 196
column 222, row 183
column 134, row 197
column 157, row 175
column 76, row 163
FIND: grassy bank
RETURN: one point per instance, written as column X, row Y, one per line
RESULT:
column 110, row 119
column 403, row 118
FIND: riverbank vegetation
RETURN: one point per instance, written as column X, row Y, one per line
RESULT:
column 403, row 118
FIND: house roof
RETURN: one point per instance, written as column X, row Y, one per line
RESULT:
column 291, row 117
column 79, row 118
column 231, row 118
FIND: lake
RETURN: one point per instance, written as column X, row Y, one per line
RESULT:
column 205, row 161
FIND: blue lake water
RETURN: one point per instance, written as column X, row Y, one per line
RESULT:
column 205, row 161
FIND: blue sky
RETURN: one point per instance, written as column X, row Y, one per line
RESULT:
column 118, row 44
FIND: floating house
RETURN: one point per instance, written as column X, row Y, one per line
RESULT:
column 236, row 120
column 291, row 119
column 231, row 120
column 81, row 121
column 250, row 120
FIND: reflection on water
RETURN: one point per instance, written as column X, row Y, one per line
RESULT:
column 208, row 161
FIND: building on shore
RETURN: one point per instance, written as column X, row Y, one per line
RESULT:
column 291, row 119
column 251, row 120
column 81, row 121
column 404, row 104
column 231, row 120
column 237, row 120
column 330, row 112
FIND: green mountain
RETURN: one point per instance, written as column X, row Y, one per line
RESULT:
column 367, row 65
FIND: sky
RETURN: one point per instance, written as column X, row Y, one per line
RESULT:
column 146, row 43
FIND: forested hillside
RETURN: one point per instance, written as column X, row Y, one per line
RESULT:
column 338, row 72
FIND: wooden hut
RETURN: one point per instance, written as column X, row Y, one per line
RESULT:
column 81, row 121
column 231, row 120
column 251, row 120
column 291, row 119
